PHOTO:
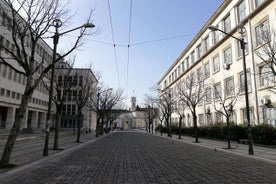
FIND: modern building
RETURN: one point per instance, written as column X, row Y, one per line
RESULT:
column 13, row 82
column 76, row 87
column 217, row 59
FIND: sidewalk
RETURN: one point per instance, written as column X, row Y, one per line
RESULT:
column 29, row 147
column 260, row 152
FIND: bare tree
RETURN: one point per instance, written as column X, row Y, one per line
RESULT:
column 105, row 101
column 62, row 87
column 165, row 103
column 224, row 104
column 28, row 22
column 191, row 91
column 267, row 54
column 87, row 88
column 180, row 110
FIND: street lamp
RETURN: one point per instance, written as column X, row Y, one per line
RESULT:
column 98, row 109
column 241, row 30
column 57, row 23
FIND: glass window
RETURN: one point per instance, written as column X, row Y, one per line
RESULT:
column 218, row 117
column 215, row 37
column 208, row 95
column 217, row 91
column 199, row 74
column 239, row 47
column 233, row 117
column 227, row 55
column 266, row 76
column 207, row 70
column 259, row 2
column 241, row 8
column 216, row 64
column 262, row 33
column 229, row 87
column 251, row 114
column 227, row 24
column 242, row 85
column 192, row 57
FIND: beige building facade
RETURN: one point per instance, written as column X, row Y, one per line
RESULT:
column 217, row 59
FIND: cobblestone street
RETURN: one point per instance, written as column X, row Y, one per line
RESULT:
column 133, row 157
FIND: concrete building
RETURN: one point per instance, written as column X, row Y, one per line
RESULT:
column 12, row 82
column 80, row 83
column 216, row 58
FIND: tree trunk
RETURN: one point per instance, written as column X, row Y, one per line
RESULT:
column 79, row 127
column 179, row 127
column 6, row 155
column 57, row 128
column 228, row 132
column 195, row 127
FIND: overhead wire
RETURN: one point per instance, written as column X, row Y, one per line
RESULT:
column 128, row 49
column 114, row 45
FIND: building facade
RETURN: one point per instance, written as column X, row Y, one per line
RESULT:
column 75, row 88
column 12, row 82
column 217, row 59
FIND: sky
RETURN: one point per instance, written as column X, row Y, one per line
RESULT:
column 148, row 35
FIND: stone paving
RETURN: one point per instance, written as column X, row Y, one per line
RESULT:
column 133, row 157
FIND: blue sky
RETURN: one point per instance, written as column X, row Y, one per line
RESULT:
column 147, row 59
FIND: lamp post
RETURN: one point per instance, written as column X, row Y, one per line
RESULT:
column 98, row 109
column 241, row 30
column 57, row 24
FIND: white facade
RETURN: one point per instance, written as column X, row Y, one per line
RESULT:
column 12, row 83
column 211, row 52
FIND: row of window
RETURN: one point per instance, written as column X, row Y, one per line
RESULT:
column 12, row 75
column 261, row 32
column 17, row 96
column 216, row 117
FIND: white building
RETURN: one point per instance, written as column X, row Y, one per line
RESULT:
column 217, row 59
column 12, row 83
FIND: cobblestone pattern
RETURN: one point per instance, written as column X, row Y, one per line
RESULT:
column 131, row 157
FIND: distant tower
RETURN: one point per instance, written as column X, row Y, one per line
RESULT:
column 133, row 104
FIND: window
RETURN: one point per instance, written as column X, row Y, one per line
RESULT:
column 233, row 117
column 227, row 55
column 262, row 33
column 187, row 63
column 216, row 64
column 242, row 85
column 227, row 24
column 251, row 114
column 199, row 74
column 229, row 87
column 2, row 92
column 7, row 46
column 215, row 37
column 183, row 67
column 201, row 120
column 217, row 91
column 266, row 76
column 239, row 47
column 259, row 2
column 206, row 45
column 208, row 95
column 200, row 51
column 207, row 70
column 1, row 43
column 192, row 57
column 218, row 117
column 241, row 11
column 4, row 70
